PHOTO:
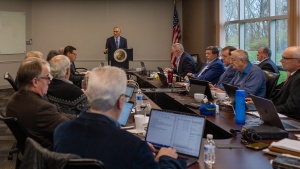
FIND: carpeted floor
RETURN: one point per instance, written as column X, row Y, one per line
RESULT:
column 6, row 137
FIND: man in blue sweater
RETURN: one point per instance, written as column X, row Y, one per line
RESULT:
column 96, row 133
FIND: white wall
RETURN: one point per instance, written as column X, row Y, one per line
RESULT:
column 85, row 24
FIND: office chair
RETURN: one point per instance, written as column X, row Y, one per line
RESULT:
column 271, row 81
column 19, row 133
column 11, row 81
column 38, row 157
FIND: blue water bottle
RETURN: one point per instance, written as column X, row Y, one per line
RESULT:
column 240, row 114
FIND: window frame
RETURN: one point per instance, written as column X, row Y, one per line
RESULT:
column 271, row 19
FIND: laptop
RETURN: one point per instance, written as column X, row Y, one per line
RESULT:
column 200, row 86
column 126, row 110
column 230, row 90
column 178, row 130
column 143, row 67
column 160, row 70
column 269, row 115
column 164, row 81
column 129, row 91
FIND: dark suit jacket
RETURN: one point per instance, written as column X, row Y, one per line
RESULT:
column 268, row 65
column 287, row 100
column 226, row 77
column 97, row 136
column 111, row 43
column 38, row 116
column 186, row 65
column 212, row 72
column 69, row 98
column 75, row 78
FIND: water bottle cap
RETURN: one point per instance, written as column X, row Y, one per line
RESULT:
column 209, row 136
column 139, row 90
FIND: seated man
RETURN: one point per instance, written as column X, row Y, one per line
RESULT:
column 248, row 77
column 38, row 116
column 71, row 53
column 263, row 55
column 184, row 61
column 68, row 97
column 287, row 100
column 213, row 68
column 96, row 133
column 228, row 75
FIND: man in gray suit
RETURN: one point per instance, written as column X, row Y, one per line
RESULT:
column 263, row 55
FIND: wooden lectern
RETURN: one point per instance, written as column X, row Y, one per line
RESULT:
column 120, row 57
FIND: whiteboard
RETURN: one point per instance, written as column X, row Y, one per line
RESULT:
column 12, row 32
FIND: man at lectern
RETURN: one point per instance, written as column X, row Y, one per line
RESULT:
column 116, row 41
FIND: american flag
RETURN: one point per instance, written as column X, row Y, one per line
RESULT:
column 176, row 33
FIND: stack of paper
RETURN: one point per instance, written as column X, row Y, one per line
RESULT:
column 286, row 146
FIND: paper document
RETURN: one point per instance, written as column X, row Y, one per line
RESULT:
column 288, row 144
column 255, row 113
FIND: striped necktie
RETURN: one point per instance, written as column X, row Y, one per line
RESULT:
column 117, row 43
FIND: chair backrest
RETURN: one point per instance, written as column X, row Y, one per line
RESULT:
column 17, row 130
column 271, row 81
column 11, row 80
column 84, row 164
column 38, row 157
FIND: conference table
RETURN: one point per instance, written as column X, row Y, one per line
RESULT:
column 231, row 154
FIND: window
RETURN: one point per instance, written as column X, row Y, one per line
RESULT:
column 251, row 24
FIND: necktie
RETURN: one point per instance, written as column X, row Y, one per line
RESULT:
column 117, row 43
column 205, row 67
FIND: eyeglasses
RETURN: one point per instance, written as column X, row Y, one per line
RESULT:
column 74, row 54
column 46, row 78
column 285, row 58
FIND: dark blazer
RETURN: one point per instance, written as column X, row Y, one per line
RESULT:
column 111, row 43
column 287, row 100
column 212, row 72
column 75, row 78
column 96, row 136
column 38, row 116
column 226, row 77
column 186, row 65
column 69, row 98
column 268, row 65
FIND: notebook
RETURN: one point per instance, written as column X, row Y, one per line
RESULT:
column 177, row 130
column 160, row 70
column 126, row 110
column 164, row 81
column 200, row 86
column 269, row 115
column 129, row 91
column 230, row 90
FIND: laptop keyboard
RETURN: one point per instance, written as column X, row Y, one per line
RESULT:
column 182, row 158
column 288, row 126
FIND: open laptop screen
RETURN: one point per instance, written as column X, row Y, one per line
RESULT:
column 200, row 86
column 129, row 91
column 127, row 107
column 173, row 129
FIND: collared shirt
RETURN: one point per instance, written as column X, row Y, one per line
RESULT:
column 206, row 67
column 251, row 79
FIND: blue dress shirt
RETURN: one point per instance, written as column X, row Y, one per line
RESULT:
column 252, row 80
